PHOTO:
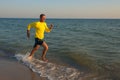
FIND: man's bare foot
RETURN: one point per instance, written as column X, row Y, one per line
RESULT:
column 30, row 57
column 44, row 59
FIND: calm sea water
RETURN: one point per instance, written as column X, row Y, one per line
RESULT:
column 90, row 45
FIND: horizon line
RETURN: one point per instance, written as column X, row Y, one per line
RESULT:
column 52, row 18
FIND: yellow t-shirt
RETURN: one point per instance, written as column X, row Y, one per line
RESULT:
column 40, row 28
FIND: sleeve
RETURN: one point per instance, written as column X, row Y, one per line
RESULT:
column 31, row 25
column 46, row 28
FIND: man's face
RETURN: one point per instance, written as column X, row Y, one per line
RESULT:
column 43, row 18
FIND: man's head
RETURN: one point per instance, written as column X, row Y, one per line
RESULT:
column 42, row 17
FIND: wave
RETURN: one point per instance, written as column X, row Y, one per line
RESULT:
column 50, row 70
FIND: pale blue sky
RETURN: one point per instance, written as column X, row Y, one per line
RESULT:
column 60, row 8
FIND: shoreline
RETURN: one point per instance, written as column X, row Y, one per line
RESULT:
column 13, row 70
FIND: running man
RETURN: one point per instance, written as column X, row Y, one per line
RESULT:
column 40, row 28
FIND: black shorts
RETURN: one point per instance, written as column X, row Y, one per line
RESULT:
column 38, row 42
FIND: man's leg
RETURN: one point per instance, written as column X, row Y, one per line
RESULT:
column 33, row 51
column 45, row 46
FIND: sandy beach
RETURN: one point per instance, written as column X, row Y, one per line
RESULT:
column 11, row 70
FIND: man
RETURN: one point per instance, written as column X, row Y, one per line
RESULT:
column 40, row 28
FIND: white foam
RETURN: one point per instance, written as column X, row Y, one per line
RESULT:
column 50, row 70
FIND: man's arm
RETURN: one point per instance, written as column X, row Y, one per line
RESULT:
column 48, row 29
column 31, row 25
column 28, row 34
column 51, row 26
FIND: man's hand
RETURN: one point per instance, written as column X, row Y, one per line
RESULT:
column 28, row 34
column 51, row 26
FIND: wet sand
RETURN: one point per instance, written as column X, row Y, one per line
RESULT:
column 12, row 70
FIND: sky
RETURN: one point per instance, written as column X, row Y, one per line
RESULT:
column 60, row 8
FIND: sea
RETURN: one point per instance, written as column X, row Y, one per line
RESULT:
column 90, row 47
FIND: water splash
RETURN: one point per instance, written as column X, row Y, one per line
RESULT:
column 50, row 70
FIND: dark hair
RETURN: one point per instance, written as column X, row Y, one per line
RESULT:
column 41, row 15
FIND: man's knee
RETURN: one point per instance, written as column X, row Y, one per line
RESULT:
column 46, row 48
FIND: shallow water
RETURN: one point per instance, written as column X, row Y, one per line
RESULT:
column 50, row 70
column 90, row 45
